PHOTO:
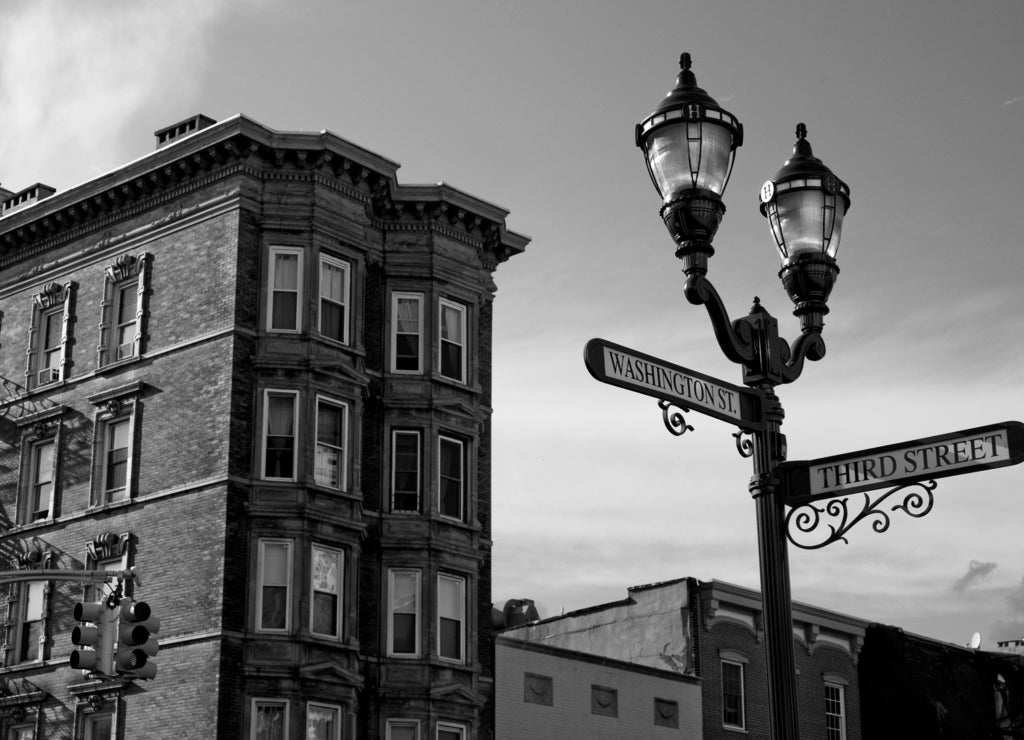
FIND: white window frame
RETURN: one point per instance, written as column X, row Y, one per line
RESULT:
column 280, row 392
column 257, row 701
column 841, row 690
column 342, row 451
column 340, row 595
column 418, row 613
column 419, row 468
column 451, row 727
column 463, row 312
column 346, row 291
column 460, row 584
column 335, row 708
column 418, row 299
column 391, row 724
column 442, row 441
column 32, row 482
column 261, row 584
column 274, row 251
column 59, row 315
column 33, row 597
column 105, row 494
column 128, row 274
column 743, row 697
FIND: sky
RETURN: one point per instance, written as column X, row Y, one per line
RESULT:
column 917, row 104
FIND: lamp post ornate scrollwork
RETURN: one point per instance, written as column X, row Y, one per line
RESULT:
column 689, row 144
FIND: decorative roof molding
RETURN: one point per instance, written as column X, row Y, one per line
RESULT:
column 241, row 144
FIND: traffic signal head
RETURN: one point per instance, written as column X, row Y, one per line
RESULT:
column 95, row 638
column 135, row 641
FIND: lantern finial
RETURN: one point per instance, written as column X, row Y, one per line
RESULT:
column 801, row 131
column 685, row 61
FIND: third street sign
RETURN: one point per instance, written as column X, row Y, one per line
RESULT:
column 992, row 446
column 635, row 371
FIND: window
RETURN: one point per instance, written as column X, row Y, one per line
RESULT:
column 51, row 315
column 329, row 466
column 403, row 613
column 42, row 466
column 23, row 732
column 334, row 299
column 835, row 712
column 604, row 701
column 124, row 309
column 284, row 290
column 98, row 727
column 538, row 689
column 116, row 444
column 51, row 349
column 451, row 617
column 323, row 722
column 407, row 332
column 272, row 599
column 115, row 451
column 666, row 713
column 453, row 341
column 449, row 731
column 451, row 472
column 405, row 471
column 732, row 695
column 280, row 415
column 31, row 627
column 325, row 591
column 269, row 719
column 403, row 729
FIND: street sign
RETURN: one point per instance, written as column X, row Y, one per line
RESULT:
column 981, row 448
column 635, row 371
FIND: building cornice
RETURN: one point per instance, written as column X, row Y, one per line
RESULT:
column 241, row 145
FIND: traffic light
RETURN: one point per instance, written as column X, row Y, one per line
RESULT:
column 96, row 637
column 135, row 641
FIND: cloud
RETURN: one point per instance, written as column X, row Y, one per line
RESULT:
column 73, row 75
column 1013, row 100
column 976, row 571
column 1016, row 599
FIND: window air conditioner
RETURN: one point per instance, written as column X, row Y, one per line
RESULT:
column 125, row 350
column 48, row 375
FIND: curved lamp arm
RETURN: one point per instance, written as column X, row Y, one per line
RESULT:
column 736, row 338
column 809, row 346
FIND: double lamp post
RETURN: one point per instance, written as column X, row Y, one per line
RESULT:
column 689, row 144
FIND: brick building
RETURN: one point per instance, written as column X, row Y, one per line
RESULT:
column 254, row 366
column 712, row 633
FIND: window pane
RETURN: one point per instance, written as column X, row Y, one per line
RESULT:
column 100, row 728
column 407, row 334
column 732, row 694
column 280, row 457
column 404, row 611
column 286, row 271
column 274, row 595
column 127, row 302
column 269, row 721
column 406, row 471
column 52, row 330
column 450, row 733
column 450, row 482
column 330, row 426
column 34, row 600
column 321, row 723
column 452, row 341
column 117, row 455
column 332, row 282
column 403, row 731
column 451, row 613
column 42, row 480
column 326, row 591
column 332, row 320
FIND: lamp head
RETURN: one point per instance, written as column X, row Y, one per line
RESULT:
column 805, row 203
column 689, row 144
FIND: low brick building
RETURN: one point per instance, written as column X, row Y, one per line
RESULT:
column 712, row 633
column 254, row 366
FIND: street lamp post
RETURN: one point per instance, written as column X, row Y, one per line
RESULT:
column 689, row 143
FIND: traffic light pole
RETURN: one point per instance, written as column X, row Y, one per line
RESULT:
column 59, row 574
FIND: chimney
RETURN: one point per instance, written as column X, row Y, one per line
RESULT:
column 10, row 202
column 178, row 131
